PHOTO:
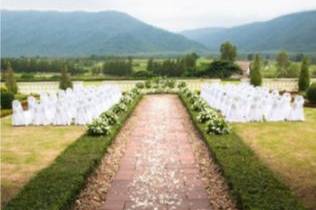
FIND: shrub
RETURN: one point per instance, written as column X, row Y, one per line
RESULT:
column 65, row 81
column 304, row 80
column 163, row 83
column 182, row 85
column 222, row 69
column 171, row 83
column 217, row 125
column 156, row 80
column 134, row 92
column 188, row 93
column 6, row 98
column 10, row 81
column 193, row 99
column 110, row 117
column 206, row 115
column 311, row 93
column 118, row 108
column 127, row 99
column 255, row 75
column 140, row 85
column 148, row 84
column 99, row 127
column 198, row 106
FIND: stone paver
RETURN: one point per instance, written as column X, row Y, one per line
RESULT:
column 158, row 169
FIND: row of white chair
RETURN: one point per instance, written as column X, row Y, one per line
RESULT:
column 245, row 103
column 77, row 106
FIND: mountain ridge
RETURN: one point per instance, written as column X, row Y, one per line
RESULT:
column 83, row 33
column 293, row 32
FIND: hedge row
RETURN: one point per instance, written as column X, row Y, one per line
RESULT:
column 57, row 186
column 252, row 184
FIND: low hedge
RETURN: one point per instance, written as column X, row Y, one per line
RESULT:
column 253, row 185
column 6, row 99
column 311, row 93
column 5, row 112
column 57, row 186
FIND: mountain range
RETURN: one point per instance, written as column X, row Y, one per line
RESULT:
column 57, row 34
column 52, row 33
column 294, row 32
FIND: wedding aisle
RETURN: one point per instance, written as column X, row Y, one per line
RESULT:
column 165, row 164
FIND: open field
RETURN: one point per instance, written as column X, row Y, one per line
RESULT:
column 27, row 150
column 289, row 149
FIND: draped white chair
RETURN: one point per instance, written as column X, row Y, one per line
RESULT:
column 243, row 103
column 297, row 109
column 79, row 105
column 18, row 118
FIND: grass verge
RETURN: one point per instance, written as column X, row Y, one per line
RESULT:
column 253, row 185
column 288, row 149
column 57, row 186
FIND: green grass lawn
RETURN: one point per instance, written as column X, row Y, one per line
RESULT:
column 27, row 150
column 289, row 149
column 253, row 184
column 58, row 185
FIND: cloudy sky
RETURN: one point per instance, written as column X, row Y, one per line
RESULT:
column 177, row 15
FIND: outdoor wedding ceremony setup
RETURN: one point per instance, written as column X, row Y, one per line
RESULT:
column 246, row 103
column 78, row 106
column 159, row 105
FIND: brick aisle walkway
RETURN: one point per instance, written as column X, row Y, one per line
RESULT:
column 158, row 170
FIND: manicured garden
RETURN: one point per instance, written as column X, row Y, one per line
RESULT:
column 57, row 186
column 252, row 183
column 257, row 161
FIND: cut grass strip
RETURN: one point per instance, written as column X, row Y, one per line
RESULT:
column 253, row 185
column 57, row 186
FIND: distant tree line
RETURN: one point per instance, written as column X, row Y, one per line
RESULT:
column 185, row 66
column 118, row 67
column 75, row 66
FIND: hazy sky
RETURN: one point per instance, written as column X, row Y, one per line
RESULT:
column 176, row 15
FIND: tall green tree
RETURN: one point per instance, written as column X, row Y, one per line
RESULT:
column 189, row 60
column 65, row 80
column 150, row 65
column 255, row 74
column 228, row 52
column 10, row 81
column 222, row 69
column 304, row 78
column 282, row 63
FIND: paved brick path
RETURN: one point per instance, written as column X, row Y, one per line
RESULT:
column 158, row 170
